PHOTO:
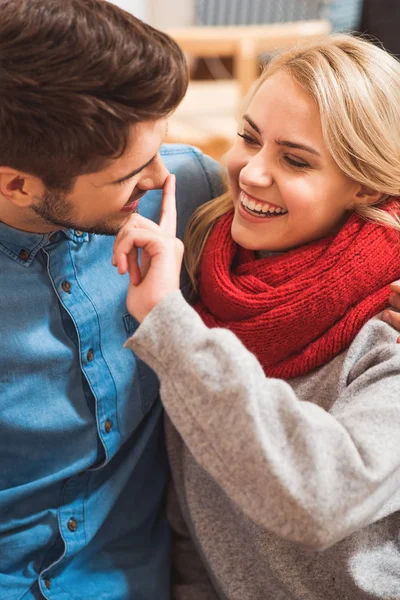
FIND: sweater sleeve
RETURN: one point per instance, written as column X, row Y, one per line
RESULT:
column 303, row 473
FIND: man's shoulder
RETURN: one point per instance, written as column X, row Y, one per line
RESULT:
column 196, row 172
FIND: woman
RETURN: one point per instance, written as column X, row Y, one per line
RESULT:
column 281, row 383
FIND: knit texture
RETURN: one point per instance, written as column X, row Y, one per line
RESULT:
column 298, row 310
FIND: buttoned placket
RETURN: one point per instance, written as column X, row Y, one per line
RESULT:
column 82, row 311
column 71, row 522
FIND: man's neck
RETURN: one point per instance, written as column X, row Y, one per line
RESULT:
column 23, row 219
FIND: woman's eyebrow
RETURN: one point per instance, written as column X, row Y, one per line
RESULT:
column 286, row 143
column 252, row 124
column 297, row 145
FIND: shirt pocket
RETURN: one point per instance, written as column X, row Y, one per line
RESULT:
column 148, row 381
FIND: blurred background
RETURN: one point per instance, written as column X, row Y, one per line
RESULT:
column 228, row 41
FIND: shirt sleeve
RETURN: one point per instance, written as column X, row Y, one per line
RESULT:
column 215, row 174
column 303, row 473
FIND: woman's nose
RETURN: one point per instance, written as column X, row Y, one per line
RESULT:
column 257, row 172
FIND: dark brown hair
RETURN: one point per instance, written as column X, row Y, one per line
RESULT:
column 74, row 75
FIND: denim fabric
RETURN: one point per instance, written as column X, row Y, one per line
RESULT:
column 83, row 466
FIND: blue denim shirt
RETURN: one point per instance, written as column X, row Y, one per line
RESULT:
column 82, row 461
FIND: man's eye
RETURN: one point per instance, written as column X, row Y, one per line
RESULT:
column 124, row 180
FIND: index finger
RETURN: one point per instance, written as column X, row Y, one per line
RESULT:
column 168, row 206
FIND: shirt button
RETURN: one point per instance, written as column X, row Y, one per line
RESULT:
column 24, row 254
column 72, row 524
column 108, row 426
column 78, row 233
column 47, row 582
column 66, row 286
column 90, row 355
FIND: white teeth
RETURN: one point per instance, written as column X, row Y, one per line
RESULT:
column 260, row 207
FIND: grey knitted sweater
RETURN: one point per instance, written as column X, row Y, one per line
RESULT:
column 290, row 490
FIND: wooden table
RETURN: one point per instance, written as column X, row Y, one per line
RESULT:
column 246, row 43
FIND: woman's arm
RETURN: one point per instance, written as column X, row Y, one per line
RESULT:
column 292, row 467
column 297, row 470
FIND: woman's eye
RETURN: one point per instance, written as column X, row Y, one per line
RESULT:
column 296, row 163
column 247, row 138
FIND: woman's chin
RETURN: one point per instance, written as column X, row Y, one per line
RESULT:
column 244, row 236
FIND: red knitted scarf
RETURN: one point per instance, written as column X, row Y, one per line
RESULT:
column 296, row 311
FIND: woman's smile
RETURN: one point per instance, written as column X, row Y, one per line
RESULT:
column 249, row 206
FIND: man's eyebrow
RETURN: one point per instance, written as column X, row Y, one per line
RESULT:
column 135, row 172
column 252, row 124
column 296, row 145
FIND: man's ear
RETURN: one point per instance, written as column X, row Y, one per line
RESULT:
column 366, row 196
column 19, row 188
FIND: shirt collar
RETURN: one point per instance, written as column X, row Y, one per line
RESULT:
column 22, row 246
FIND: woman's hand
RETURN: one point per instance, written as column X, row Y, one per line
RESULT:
column 390, row 316
column 161, row 258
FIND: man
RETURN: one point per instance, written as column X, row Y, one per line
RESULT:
column 85, row 92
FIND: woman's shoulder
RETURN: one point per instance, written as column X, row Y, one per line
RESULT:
column 374, row 348
column 373, row 356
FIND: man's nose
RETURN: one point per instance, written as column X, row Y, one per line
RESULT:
column 154, row 175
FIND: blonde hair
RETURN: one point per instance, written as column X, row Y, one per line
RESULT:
column 356, row 86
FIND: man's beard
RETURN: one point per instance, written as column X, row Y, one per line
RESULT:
column 55, row 209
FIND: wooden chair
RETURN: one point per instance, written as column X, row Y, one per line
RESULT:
column 207, row 115
column 245, row 43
